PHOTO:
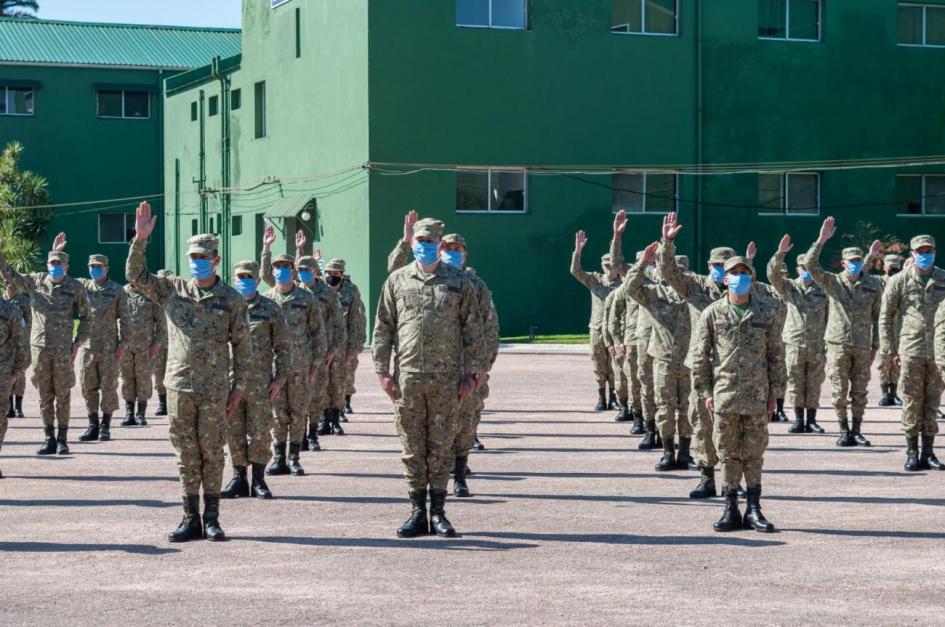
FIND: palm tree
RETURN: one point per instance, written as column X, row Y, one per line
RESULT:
column 18, row 8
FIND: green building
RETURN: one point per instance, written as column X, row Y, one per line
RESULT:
column 519, row 122
column 86, row 102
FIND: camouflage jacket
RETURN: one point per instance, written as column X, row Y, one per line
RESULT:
column 885, row 279
column 607, row 323
column 433, row 320
column 399, row 257
column 14, row 347
column 489, row 318
column 355, row 320
column 853, row 316
column 108, row 315
column 54, row 305
column 916, row 302
column 270, row 337
column 739, row 362
column 303, row 317
column 669, row 315
column 146, row 325
column 939, row 334
column 622, row 319
column 204, row 328
column 599, row 286
column 23, row 302
column 806, row 322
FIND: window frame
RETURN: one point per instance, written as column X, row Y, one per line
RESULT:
column 787, row 25
column 98, row 93
column 784, row 209
column 925, row 8
column 643, row 30
column 260, row 111
column 645, row 193
column 489, row 210
column 922, row 183
column 5, row 94
column 124, row 226
column 491, row 26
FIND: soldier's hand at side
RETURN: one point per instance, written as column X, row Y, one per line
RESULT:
column 785, row 246
column 409, row 221
column 896, row 360
column 313, row 373
column 330, row 357
column 75, row 351
column 11, row 381
column 481, row 377
column 274, row 389
column 872, row 356
column 144, row 221
column 772, row 403
column 466, row 386
column 612, row 352
column 119, row 353
column 389, row 386
column 232, row 402
column 623, row 350
column 671, row 227
column 153, row 351
column 827, row 230
column 352, row 357
column 620, row 223
column 710, row 405
column 59, row 243
column 580, row 241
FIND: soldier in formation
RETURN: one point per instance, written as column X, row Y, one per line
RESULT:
column 19, row 387
column 143, row 335
column 14, row 352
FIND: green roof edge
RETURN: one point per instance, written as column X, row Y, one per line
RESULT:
column 39, row 21
column 186, row 80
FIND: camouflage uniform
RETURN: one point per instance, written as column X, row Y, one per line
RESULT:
column 14, row 352
column 599, row 286
column 889, row 370
column 23, row 302
column 611, row 342
column 622, row 327
column 342, row 372
column 852, row 332
column 210, row 355
column 146, row 328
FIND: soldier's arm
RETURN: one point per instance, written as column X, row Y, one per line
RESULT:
column 20, row 284
column 81, row 308
column 490, row 325
column 774, row 349
column 161, row 338
column 316, row 332
column 616, row 255
column 265, row 268
column 635, row 288
column 615, row 321
column 471, row 330
column 874, row 319
column 21, row 348
column 124, row 324
column 939, row 325
column 399, row 257
column 586, row 279
column 826, row 281
column 702, row 375
column 776, row 278
column 281, row 346
column 136, row 271
column 337, row 317
column 385, row 329
column 682, row 283
column 605, row 321
column 356, row 324
column 241, row 345
column 888, row 314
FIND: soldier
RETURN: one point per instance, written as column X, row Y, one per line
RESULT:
column 599, row 285
column 14, row 353
column 908, row 330
column 303, row 317
column 19, row 388
column 248, row 428
column 55, row 298
column 617, row 358
column 622, row 327
column 428, row 309
column 736, row 369
column 209, row 357
column 803, row 337
column 888, row 369
column 160, row 360
column 100, row 356
column 352, row 310
column 143, row 336
column 852, row 330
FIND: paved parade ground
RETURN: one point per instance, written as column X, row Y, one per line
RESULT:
column 569, row 524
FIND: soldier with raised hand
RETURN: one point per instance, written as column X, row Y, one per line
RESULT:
column 56, row 299
column 888, row 367
column 209, row 358
column 352, row 311
column 100, row 355
column 308, row 347
column 908, row 332
column 14, row 352
column 160, row 360
column 248, row 429
column 612, row 341
column 428, row 310
column 803, row 337
column 737, row 373
column 19, row 388
column 852, row 330
column 143, row 336
column 622, row 327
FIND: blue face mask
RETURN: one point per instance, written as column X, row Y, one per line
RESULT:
column 924, row 261
column 201, row 269
column 452, row 258
column 97, row 272
column 854, row 268
column 806, row 276
column 306, row 277
column 283, row 275
column 55, row 271
column 425, row 252
column 246, row 287
column 717, row 273
column 739, row 284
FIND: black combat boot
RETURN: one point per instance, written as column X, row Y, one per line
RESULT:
column 684, row 460
column 341, row 415
column 886, row 400
column 295, row 468
column 754, row 519
column 613, row 403
column 142, row 410
column 478, row 445
column 706, row 488
column 812, row 425
column 335, row 425
column 459, row 477
column 129, row 420
column 668, row 461
column 237, row 487
column 439, row 524
column 278, row 465
column 894, row 392
column 312, row 440
column 927, row 458
column 798, row 426
column 731, row 519
column 348, row 409
column 648, row 441
column 91, row 434
column 105, row 432
column 62, row 443
column 912, row 454
column 49, row 446
column 189, row 527
column 325, row 428
column 259, row 488
column 211, row 519
column 162, row 405
column 782, row 417
column 601, row 400
column 623, row 415
column 857, row 436
column 10, row 412
column 846, row 438
column 18, row 406
column 417, row 524
column 637, row 428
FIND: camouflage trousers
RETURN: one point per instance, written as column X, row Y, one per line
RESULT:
column 337, row 375
column 291, row 409
column 889, row 372
column 136, row 375
column 426, row 421
column 647, row 391
column 19, row 388
column 630, row 372
column 741, row 442
column 198, row 431
column 805, row 375
column 703, row 424
column 620, row 379
column 98, row 371
column 160, row 365
column 5, row 389
column 350, row 371
column 672, row 383
column 320, row 396
column 248, row 430
column 920, row 386
column 601, row 360
column 849, row 375
column 468, row 415
column 53, row 377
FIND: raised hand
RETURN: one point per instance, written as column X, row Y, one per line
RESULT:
column 785, row 246
column 580, row 241
column 827, row 230
column 751, row 251
column 144, row 222
column 876, row 248
column 620, row 223
column 59, row 244
column 671, row 227
column 317, row 254
column 649, row 253
column 300, row 240
column 409, row 220
column 269, row 237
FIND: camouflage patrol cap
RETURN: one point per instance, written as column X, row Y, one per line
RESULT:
column 738, row 260
column 454, row 238
column 893, row 260
column 428, row 227
column 58, row 255
column 682, row 261
column 922, row 240
column 721, row 254
column 205, row 244
column 98, row 259
column 308, row 262
column 289, row 259
column 247, row 266
column 164, row 274
column 852, row 253
column 802, row 260
column 335, row 265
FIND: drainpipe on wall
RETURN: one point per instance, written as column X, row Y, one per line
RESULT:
column 202, row 181
column 176, row 217
column 226, row 220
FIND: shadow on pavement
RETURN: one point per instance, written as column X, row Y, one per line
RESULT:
column 55, row 547
column 85, row 503
column 839, row 473
column 640, row 500
column 126, row 454
column 859, row 500
column 615, row 538
column 441, row 544
column 105, row 478
column 374, row 500
column 871, row 533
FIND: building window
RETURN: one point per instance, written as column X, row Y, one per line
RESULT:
column 920, row 194
column 276, row 3
column 921, row 25
column 792, row 194
column 298, row 33
column 193, row 111
column 115, row 228
column 639, row 192
column 511, row 14
column 236, row 227
column 16, row 100
column 214, row 105
column 124, row 104
column 260, row 93
column 193, row 227
column 236, row 99
column 791, row 20
column 645, row 17
column 499, row 191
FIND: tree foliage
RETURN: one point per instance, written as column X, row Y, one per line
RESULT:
column 22, row 225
